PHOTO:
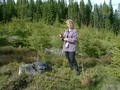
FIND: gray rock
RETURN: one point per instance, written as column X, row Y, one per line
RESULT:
column 34, row 68
column 27, row 69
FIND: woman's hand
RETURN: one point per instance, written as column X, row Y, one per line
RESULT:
column 60, row 35
column 65, row 39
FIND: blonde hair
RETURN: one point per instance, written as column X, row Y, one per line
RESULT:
column 69, row 20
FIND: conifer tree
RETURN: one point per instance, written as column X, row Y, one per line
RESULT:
column 82, row 12
column 106, row 14
column 32, row 9
column 116, row 24
column 61, row 10
column 88, row 12
column 111, row 13
column 119, row 11
column 38, row 9
column 96, row 15
column 75, row 11
column 4, row 11
column 70, row 9
column 1, row 12
column 49, row 11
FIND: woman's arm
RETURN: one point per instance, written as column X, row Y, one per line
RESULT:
column 62, row 36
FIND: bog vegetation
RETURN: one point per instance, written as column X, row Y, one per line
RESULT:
column 27, row 28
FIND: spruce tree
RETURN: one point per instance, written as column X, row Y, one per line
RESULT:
column 1, row 12
column 70, row 9
column 20, row 9
column 111, row 13
column 88, row 10
column 116, row 24
column 106, row 14
column 49, row 11
column 119, row 11
column 61, row 10
column 38, row 9
column 4, row 11
column 32, row 9
column 82, row 12
column 75, row 11
column 96, row 15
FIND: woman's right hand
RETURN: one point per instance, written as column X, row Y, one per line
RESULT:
column 60, row 35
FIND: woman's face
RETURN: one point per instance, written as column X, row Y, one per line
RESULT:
column 70, row 25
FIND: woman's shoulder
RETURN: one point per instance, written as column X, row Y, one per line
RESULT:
column 74, row 30
column 66, row 30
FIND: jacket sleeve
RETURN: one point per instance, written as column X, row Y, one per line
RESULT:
column 63, row 36
column 74, row 38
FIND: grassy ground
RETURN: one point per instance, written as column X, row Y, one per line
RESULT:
column 93, row 76
column 94, row 56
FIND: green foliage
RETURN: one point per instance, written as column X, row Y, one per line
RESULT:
column 93, row 48
column 87, row 63
column 91, row 78
column 55, row 30
column 93, row 43
column 38, row 10
column 102, row 16
column 61, row 10
column 8, row 10
column 1, row 13
column 70, row 9
column 49, row 12
column 116, row 23
column 82, row 12
column 18, row 31
column 115, row 65
column 3, row 79
column 10, row 54
column 65, row 63
column 39, row 40
column 58, row 78
column 96, row 16
column 4, row 42
column 18, row 82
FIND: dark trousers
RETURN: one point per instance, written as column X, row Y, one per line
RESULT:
column 71, row 59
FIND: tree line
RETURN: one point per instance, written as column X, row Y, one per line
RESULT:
column 98, row 16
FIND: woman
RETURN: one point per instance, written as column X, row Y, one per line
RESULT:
column 69, row 47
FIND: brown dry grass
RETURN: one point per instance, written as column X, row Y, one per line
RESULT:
column 10, row 54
